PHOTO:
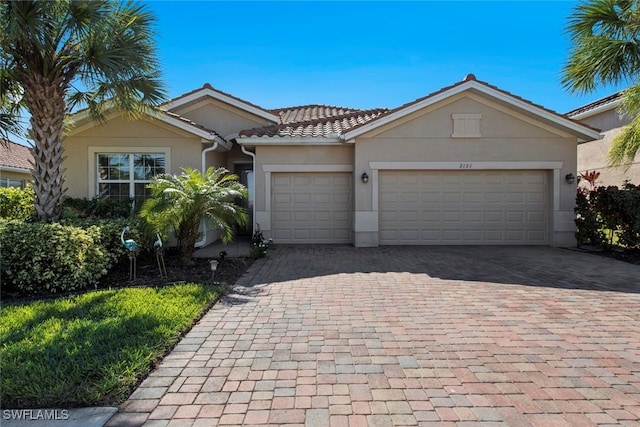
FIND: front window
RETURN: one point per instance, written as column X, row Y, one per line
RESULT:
column 125, row 176
column 11, row 182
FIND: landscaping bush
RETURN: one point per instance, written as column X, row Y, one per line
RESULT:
column 609, row 208
column 16, row 203
column 96, row 208
column 50, row 257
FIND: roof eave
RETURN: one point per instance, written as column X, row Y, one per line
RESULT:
column 286, row 140
column 221, row 97
column 597, row 110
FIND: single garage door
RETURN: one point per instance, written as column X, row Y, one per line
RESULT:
column 463, row 207
column 311, row 207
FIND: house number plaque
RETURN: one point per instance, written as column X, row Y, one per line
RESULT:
column 465, row 165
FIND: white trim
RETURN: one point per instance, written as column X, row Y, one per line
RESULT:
column 374, row 189
column 267, row 193
column 581, row 131
column 212, row 93
column 307, row 168
column 464, row 165
column 14, row 169
column 93, row 150
column 556, row 189
column 599, row 109
column 285, row 140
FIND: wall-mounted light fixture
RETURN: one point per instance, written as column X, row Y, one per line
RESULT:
column 570, row 178
column 365, row 177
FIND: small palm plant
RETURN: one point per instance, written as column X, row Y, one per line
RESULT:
column 179, row 203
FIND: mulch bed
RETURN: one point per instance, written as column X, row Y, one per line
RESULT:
column 148, row 274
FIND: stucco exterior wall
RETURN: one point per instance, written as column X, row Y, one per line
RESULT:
column 293, row 159
column 593, row 155
column 222, row 118
column 16, row 175
column 508, row 140
column 121, row 135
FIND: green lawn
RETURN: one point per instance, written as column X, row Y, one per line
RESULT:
column 94, row 348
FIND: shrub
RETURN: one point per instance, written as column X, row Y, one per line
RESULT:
column 609, row 208
column 17, row 203
column 96, row 208
column 51, row 257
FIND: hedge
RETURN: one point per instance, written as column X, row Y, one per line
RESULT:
column 43, row 257
column 17, row 203
column 609, row 208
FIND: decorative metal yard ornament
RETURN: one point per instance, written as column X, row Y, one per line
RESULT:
column 158, row 248
column 132, row 247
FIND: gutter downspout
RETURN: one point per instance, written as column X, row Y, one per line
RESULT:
column 253, row 156
column 203, row 226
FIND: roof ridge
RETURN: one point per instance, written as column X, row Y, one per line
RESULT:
column 298, row 107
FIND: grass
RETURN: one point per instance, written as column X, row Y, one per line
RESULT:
column 91, row 349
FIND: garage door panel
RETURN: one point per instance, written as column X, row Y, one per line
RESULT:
column 463, row 207
column 311, row 207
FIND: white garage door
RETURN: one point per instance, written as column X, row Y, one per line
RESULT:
column 311, row 207
column 463, row 207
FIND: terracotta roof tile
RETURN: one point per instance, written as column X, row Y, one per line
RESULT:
column 306, row 113
column 324, row 125
column 15, row 156
column 593, row 105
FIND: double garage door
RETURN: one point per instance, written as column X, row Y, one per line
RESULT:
column 416, row 207
column 463, row 207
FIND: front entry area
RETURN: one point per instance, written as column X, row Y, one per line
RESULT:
column 479, row 207
column 311, row 207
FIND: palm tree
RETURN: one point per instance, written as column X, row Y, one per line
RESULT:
column 606, row 50
column 62, row 55
column 178, row 203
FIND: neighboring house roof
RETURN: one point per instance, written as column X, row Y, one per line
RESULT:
column 583, row 132
column 15, row 157
column 604, row 104
column 315, row 121
column 209, row 91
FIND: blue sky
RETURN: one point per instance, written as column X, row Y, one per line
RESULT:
column 365, row 54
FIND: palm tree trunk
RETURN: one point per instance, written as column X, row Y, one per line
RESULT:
column 46, row 103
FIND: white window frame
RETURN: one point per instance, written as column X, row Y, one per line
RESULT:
column 94, row 182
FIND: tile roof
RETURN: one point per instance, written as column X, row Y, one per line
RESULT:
column 191, row 123
column 315, row 121
column 306, row 113
column 593, row 105
column 15, row 156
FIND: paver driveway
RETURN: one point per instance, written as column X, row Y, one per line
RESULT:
column 409, row 336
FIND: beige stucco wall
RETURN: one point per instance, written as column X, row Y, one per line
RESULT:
column 593, row 155
column 26, row 176
column 220, row 117
column 292, row 158
column 508, row 139
column 128, row 136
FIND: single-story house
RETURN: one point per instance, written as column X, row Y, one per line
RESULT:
column 604, row 114
column 467, row 164
column 15, row 164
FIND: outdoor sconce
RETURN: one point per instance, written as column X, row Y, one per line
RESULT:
column 570, row 178
column 214, row 267
column 365, row 177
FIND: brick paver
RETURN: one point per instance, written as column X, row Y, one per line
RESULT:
column 334, row 335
